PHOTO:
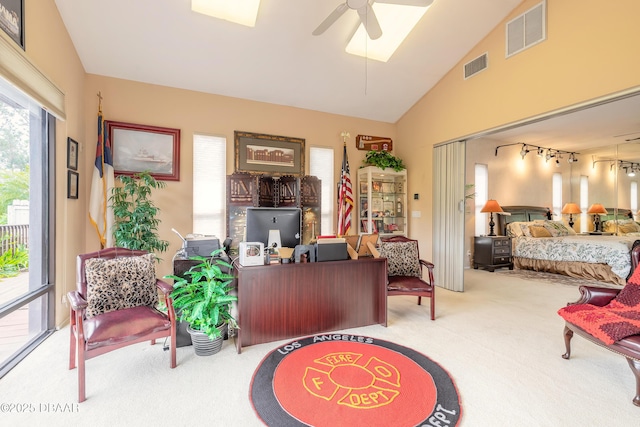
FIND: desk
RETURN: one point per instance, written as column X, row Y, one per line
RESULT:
column 283, row 301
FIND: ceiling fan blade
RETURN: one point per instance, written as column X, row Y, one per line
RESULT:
column 329, row 20
column 419, row 3
column 370, row 22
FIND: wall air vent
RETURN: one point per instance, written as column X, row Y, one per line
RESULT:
column 527, row 29
column 475, row 66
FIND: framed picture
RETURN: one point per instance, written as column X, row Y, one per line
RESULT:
column 364, row 206
column 12, row 20
column 72, row 154
column 268, row 154
column 138, row 148
column 72, row 184
column 364, row 188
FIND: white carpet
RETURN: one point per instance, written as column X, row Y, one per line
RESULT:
column 501, row 341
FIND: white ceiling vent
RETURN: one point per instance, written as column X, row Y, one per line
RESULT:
column 473, row 67
column 527, row 29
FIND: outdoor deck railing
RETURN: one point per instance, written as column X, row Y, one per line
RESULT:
column 13, row 236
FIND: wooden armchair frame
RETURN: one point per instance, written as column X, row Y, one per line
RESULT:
column 116, row 329
column 410, row 285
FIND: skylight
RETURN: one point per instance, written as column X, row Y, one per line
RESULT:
column 396, row 22
column 242, row 12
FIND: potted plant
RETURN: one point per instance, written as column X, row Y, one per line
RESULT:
column 135, row 222
column 383, row 160
column 203, row 300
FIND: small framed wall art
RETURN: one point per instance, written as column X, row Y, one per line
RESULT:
column 72, row 184
column 72, row 154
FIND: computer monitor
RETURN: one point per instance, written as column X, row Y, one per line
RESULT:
column 288, row 221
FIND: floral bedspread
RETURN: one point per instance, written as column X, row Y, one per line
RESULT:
column 612, row 250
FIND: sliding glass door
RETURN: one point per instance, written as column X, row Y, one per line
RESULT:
column 27, row 135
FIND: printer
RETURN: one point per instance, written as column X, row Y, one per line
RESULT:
column 197, row 245
column 201, row 245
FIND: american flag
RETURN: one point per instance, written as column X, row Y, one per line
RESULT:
column 345, row 199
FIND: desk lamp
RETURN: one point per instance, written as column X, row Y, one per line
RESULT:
column 491, row 206
column 571, row 208
column 596, row 209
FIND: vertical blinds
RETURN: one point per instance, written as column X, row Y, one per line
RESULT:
column 209, row 188
column 321, row 166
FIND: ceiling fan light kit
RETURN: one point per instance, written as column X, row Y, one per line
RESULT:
column 375, row 15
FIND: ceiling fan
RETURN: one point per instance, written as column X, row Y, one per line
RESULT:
column 366, row 13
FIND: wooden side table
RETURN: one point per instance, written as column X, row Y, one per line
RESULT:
column 492, row 252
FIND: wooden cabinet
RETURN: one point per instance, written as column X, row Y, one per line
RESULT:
column 382, row 196
column 492, row 252
column 246, row 190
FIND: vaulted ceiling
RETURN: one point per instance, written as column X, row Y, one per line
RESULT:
column 278, row 61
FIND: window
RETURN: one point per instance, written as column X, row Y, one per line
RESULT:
column 482, row 195
column 209, row 189
column 556, row 196
column 634, row 197
column 321, row 166
column 584, row 202
column 27, row 193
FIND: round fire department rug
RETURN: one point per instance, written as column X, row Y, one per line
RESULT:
column 350, row 380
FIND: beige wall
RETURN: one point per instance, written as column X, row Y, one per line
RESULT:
column 195, row 112
column 590, row 51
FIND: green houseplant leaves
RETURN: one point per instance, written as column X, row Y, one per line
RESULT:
column 135, row 222
column 383, row 160
column 203, row 297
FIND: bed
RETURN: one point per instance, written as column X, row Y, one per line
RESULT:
column 620, row 222
column 552, row 246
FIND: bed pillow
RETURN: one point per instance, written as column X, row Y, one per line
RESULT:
column 631, row 227
column 516, row 229
column 539, row 231
column 119, row 283
column 558, row 228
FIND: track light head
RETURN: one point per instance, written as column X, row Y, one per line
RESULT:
column 557, row 163
column 549, row 155
column 524, row 151
column 540, row 152
column 572, row 158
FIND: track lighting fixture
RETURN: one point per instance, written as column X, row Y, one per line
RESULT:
column 557, row 163
column 540, row 151
column 629, row 168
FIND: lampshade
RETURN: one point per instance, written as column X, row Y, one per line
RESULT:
column 571, row 208
column 597, row 208
column 491, row 206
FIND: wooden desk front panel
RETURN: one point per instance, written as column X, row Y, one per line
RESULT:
column 290, row 300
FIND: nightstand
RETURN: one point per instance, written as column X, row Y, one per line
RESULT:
column 492, row 252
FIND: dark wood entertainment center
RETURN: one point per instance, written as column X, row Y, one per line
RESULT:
column 284, row 301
